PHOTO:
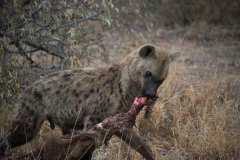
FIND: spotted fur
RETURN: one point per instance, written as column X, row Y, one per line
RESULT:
column 78, row 99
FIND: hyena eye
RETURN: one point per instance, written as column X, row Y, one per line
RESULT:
column 147, row 74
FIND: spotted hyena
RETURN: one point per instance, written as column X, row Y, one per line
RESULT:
column 78, row 99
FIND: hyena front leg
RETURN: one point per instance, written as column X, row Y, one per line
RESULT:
column 24, row 127
column 136, row 142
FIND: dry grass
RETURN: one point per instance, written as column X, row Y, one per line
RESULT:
column 205, row 121
column 197, row 120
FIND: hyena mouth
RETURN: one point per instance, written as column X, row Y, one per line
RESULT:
column 150, row 87
column 151, row 92
column 154, row 98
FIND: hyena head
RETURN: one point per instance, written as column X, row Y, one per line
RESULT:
column 146, row 68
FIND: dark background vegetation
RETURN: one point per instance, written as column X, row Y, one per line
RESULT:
column 198, row 113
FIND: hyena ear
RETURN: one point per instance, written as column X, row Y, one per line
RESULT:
column 147, row 51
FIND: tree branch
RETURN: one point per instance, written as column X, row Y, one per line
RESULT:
column 22, row 52
column 44, row 48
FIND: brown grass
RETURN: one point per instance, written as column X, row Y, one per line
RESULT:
column 196, row 121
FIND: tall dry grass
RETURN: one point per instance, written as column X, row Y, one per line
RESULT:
column 198, row 120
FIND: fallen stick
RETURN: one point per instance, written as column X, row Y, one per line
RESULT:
column 78, row 146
